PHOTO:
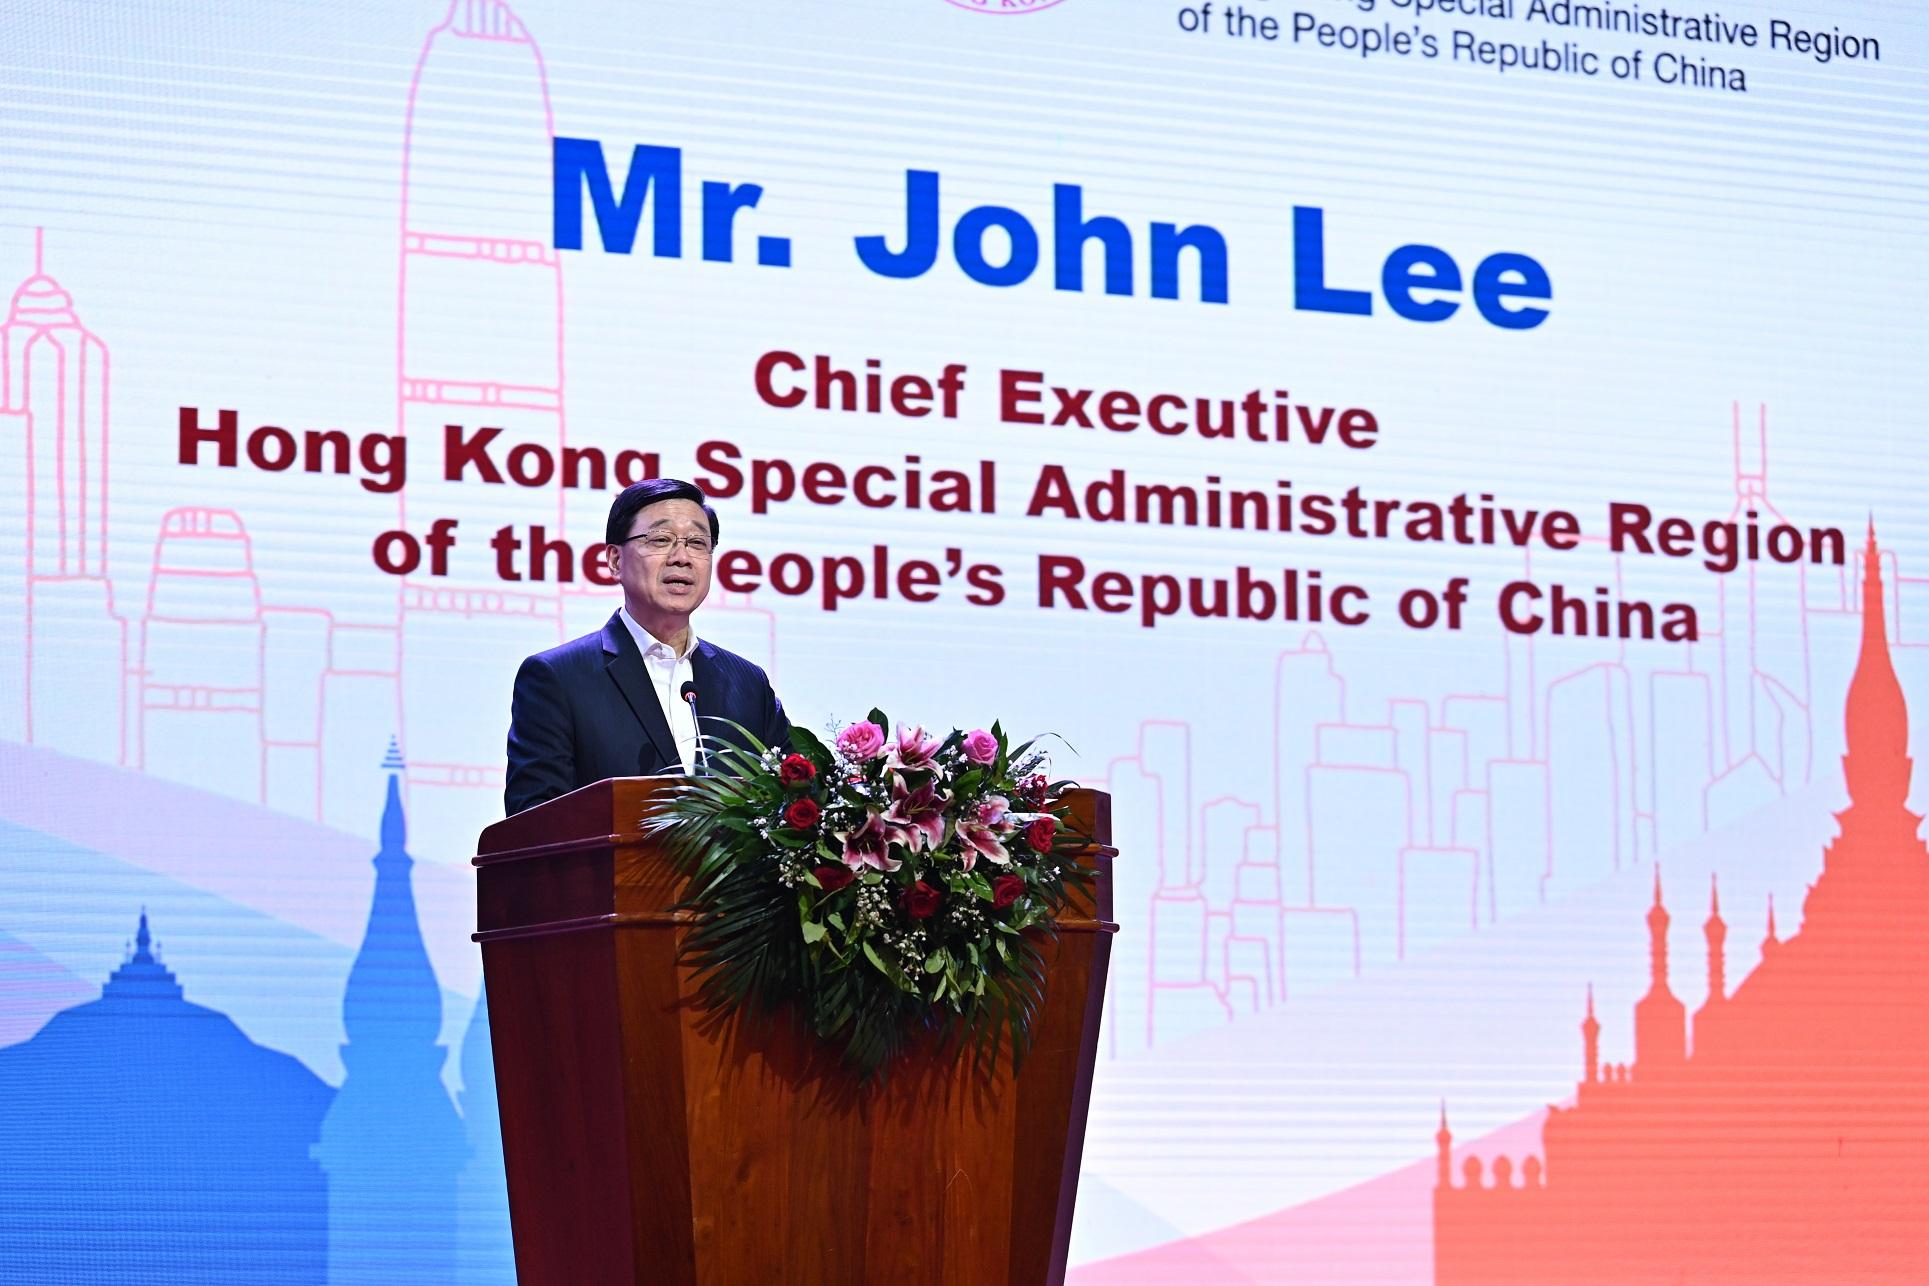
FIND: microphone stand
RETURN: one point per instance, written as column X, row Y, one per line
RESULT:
column 689, row 694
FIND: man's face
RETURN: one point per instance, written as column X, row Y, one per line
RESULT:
column 663, row 585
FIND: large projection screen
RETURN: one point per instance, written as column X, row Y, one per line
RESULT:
column 1452, row 469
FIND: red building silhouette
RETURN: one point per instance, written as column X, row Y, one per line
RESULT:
column 1792, row 1143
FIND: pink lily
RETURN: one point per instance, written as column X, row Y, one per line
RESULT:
column 980, row 840
column 915, row 817
column 869, row 845
column 994, row 811
column 913, row 750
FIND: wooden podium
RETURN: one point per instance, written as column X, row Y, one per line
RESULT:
column 648, row 1141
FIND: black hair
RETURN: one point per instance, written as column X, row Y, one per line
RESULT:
column 631, row 499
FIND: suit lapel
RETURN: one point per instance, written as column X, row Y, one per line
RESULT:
column 625, row 666
column 712, row 700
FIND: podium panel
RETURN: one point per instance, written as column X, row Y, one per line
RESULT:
column 649, row 1140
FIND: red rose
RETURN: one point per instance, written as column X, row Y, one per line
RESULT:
column 832, row 878
column 1007, row 889
column 1039, row 834
column 802, row 814
column 919, row 901
column 796, row 771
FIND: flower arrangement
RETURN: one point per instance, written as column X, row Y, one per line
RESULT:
column 886, row 885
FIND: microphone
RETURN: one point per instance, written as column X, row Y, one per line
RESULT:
column 689, row 693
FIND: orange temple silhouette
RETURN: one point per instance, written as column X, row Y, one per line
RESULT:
column 1792, row 1143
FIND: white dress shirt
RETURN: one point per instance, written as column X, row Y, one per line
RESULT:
column 669, row 671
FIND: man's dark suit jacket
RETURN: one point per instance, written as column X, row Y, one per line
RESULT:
column 587, row 710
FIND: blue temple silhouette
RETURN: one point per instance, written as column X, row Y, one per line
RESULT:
column 392, row 1143
column 486, row 1256
column 145, row 1138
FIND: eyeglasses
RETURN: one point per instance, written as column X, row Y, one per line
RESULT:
column 659, row 543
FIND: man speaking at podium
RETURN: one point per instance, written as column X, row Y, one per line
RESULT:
column 625, row 701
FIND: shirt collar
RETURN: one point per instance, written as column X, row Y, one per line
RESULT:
column 646, row 642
